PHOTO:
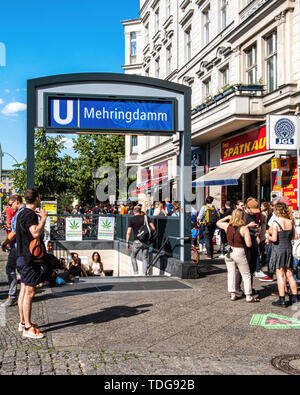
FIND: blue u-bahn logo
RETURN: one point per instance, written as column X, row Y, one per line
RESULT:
column 285, row 131
column 64, row 113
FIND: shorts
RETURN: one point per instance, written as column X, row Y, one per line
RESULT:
column 30, row 272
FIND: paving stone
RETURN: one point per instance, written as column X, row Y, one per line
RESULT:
column 193, row 331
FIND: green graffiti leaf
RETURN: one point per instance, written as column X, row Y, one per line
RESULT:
column 74, row 225
column 106, row 224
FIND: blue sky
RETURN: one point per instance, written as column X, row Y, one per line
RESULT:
column 43, row 38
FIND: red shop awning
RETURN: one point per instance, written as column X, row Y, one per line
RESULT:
column 149, row 184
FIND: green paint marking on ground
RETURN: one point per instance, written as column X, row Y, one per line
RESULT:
column 274, row 321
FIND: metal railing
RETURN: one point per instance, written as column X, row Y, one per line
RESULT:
column 165, row 227
column 89, row 225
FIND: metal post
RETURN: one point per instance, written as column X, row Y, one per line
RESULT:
column 185, row 164
column 31, row 102
column 95, row 187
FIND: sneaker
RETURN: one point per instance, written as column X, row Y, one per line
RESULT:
column 22, row 326
column 32, row 333
column 266, row 278
column 9, row 302
column 260, row 274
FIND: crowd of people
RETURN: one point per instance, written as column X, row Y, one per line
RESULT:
column 157, row 208
column 252, row 237
column 62, row 272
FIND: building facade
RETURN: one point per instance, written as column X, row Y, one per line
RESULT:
column 241, row 59
column 7, row 183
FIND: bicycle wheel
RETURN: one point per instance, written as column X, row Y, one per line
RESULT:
column 194, row 255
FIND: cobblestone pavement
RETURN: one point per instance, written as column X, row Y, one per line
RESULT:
column 195, row 331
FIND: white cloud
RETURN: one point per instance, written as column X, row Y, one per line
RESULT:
column 7, row 91
column 1, row 101
column 68, row 143
column 14, row 108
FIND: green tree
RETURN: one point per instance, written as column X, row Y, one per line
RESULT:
column 53, row 173
column 95, row 151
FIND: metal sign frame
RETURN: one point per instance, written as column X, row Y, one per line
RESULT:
column 114, row 85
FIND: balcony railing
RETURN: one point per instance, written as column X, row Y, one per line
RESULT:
column 251, row 90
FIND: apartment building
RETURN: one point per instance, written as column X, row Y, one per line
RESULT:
column 7, row 183
column 241, row 59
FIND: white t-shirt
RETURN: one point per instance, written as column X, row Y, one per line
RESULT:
column 96, row 268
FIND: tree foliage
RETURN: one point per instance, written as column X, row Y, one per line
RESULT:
column 53, row 173
column 95, row 151
column 65, row 177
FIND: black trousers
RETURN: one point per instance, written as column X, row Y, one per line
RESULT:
column 208, row 234
column 251, row 254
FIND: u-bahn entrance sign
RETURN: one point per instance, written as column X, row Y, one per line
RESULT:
column 113, row 103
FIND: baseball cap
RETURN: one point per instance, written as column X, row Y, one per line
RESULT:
column 285, row 200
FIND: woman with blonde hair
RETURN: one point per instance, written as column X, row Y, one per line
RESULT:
column 238, row 237
column 281, row 235
column 159, row 209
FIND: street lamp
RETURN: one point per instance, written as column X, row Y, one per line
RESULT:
column 11, row 157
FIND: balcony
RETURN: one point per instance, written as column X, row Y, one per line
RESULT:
column 235, row 108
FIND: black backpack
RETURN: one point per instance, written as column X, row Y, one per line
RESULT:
column 145, row 233
column 212, row 215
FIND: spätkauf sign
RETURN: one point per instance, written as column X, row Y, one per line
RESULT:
column 282, row 132
column 244, row 145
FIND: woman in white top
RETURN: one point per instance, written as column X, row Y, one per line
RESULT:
column 159, row 209
column 96, row 266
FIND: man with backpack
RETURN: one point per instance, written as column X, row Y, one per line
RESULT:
column 208, row 217
column 142, row 228
column 29, row 229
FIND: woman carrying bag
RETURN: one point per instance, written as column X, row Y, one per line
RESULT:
column 281, row 234
column 238, row 237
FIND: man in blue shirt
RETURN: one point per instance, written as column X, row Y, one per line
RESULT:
column 16, row 203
